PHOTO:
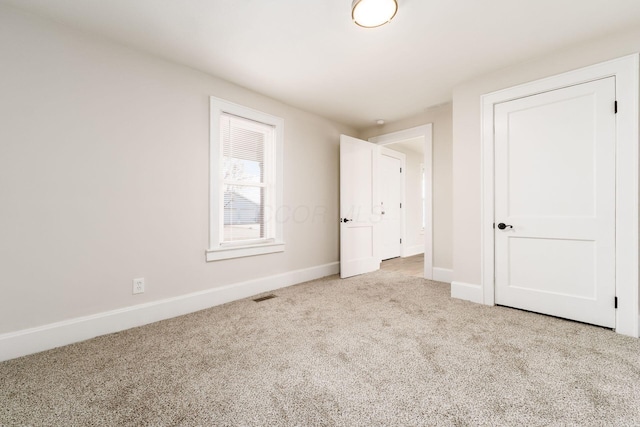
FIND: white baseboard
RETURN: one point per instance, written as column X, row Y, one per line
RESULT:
column 442, row 274
column 33, row 340
column 466, row 291
column 413, row 250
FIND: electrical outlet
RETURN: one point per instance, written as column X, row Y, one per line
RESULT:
column 138, row 285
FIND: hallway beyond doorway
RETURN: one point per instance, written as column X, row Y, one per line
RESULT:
column 409, row 266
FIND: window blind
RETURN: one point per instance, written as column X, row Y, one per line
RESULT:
column 247, row 164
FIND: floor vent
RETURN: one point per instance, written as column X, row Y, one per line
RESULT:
column 264, row 298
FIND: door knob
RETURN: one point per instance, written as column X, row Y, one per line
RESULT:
column 346, row 220
column 502, row 226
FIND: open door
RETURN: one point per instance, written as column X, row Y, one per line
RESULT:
column 360, row 212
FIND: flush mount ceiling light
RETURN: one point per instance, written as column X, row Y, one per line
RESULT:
column 373, row 13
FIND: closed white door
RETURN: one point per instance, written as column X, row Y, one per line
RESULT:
column 555, row 203
column 359, row 210
column 390, row 199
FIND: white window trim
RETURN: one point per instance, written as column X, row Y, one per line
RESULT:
column 218, row 251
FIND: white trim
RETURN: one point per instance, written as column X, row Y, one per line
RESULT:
column 216, row 250
column 466, row 291
column 244, row 251
column 442, row 274
column 403, row 195
column 425, row 131
column 33, row 340
column 413, row 250
column 626, row 72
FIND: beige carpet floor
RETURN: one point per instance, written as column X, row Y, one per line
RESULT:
column 379, row 349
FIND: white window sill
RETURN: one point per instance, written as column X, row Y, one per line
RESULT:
column 218, row 254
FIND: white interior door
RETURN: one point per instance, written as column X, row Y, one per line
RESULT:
column 359, row 207
column 390, row 199
column 555, row 202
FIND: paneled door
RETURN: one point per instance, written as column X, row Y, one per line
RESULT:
column 390, row 201
column 555, row 198
column 359, row 207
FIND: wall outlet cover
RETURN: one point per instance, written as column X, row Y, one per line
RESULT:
column 138, row 285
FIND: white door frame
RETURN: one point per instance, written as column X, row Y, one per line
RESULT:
column 403, row 164
column 626, row 71
column 425, row 131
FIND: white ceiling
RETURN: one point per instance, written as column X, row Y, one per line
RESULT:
column 309, row 54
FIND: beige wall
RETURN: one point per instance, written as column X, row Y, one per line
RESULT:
column 466, row 136
column 104, row 177
column 441, row 117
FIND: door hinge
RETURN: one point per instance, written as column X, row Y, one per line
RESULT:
column 615, row 302
column 400, row 170
column 494, row 225
column 400, row 241
column 400, row 205
column 615, row 107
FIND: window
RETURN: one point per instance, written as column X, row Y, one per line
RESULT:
column 247, row 179
column 246, row 182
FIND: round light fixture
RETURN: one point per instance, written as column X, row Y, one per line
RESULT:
column 373, row 13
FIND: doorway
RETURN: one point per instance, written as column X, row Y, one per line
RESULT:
column 418, row 226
